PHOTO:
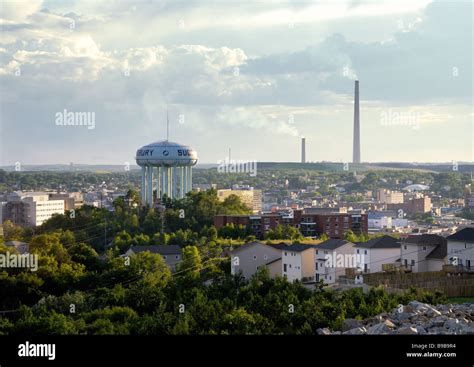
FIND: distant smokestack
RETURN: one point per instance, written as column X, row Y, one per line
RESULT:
column 303, row 150
column 356, row 143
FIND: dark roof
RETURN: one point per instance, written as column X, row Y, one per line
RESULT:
column 15, row 243
column 380, row 242
column 162, row 249
column 465, row 235
column 332, row 244
column 273, row 261
column 425, row 239
column 297, row 247
column 439, row 252
column 248, row 245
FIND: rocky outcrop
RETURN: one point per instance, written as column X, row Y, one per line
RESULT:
column 416, row 318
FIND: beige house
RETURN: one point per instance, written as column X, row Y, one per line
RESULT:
column 247, row 259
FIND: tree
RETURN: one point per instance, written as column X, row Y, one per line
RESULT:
column 190, row 265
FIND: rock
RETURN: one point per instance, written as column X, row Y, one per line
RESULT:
column 349, row 324
column 438, row 321
column 323, row 331
column 420, row 330
column 407, row 330
column 357, row 331
column 403, row 316
column 432, row 312
column 382, row 328
column 451, row 324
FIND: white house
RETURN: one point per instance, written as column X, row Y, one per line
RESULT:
column 332, row 258
column 423, row 252
column 461, row 248
column 298, row 262
column 372, row 254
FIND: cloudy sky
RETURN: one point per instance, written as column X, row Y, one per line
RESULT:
column 255, row 76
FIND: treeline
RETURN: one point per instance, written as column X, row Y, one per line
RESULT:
column 449, row 184
column 184, row 222
column 75, row 292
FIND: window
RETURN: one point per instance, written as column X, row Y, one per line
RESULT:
column 404, row 247
column 317, row 252
column 424, row 248
column 406, row 262
column 284, row 267
column 286, row 254
column 413, row 263
column 290, row 266
column 316, row 266
column 365, row 252
column 177, row 257
column 357, row 250
column 255, row 257
column 164, row 257
column 265, row 257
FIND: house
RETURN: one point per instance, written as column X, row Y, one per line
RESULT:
column 247, row 259
column 372, row 254
column 21, row 247
column 461, row 248
column 425, row 252
column 332, row 258
column 298, row 262
column 171, row 254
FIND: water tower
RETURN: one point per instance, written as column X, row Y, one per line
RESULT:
column 167, row 168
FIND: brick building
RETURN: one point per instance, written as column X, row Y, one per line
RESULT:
column 334, row 225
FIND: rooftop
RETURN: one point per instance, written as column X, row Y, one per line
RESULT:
column 464, row 235
column 380, row 242
column 162, row 249
column 332, row 244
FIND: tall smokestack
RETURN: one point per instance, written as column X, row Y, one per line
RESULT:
column 303, row 150
column 356, row 143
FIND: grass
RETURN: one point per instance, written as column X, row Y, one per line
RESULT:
column 461, row 299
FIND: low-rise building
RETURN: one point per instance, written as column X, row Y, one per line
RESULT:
column 249, row 258
column 461, row 248
column 171, row 254
column 423, row 252
column 333, row 256
column 298, row 262
column 21, row 247
column 371, row 255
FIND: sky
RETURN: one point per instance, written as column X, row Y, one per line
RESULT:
column 253, row 76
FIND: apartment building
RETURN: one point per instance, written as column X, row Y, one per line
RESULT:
column 371, row 255
column 298, row 262
column 334, row 225
column 250, row 197
column 30, row 208
column 460, row 248
column 332, row 258
column 389, row 196
column 423, row 252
